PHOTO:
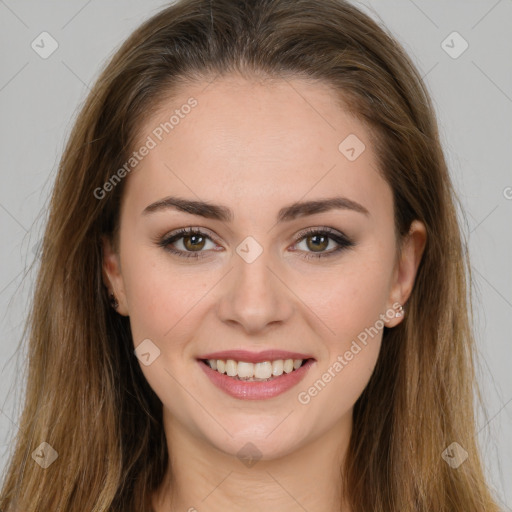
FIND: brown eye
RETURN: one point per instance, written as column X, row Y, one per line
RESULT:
column 188, row 243
column 318, row 242
column 194, row 242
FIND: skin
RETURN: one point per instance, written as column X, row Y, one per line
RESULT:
column 256, row 147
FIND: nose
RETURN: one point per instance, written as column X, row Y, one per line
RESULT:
column 255, row 295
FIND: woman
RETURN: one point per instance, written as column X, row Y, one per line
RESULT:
column 252, row 292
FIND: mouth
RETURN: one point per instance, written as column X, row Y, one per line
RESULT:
column 255, row 381
column 263, row 371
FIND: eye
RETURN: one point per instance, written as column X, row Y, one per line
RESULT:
column 317, row 240
column 190, row 242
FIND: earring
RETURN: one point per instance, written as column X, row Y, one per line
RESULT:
column 400, row 312
column 113, row 301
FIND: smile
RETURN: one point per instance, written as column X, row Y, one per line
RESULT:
column 255, row 381
column 263, row 371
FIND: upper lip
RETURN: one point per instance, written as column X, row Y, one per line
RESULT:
column 255, row 357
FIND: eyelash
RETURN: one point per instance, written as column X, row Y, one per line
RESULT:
column 342, row 240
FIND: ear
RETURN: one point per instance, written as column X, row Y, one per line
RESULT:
column 407, row 267
column 112, row 277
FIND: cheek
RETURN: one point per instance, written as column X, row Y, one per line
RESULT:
column 164, row 300
column 337, row 384
column 347, row 298
column 150, row 299
column 351, row 303
column 161, row 294
column 351, row 310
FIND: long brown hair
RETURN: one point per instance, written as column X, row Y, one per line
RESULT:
column 86, row 395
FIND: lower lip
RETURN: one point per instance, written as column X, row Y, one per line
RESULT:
column 254, row 390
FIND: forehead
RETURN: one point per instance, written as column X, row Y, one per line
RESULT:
column 255, row 144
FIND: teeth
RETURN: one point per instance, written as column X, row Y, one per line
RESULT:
column 277, row 367
column 245, row 369
column 231, row 367
column 255, row 371
column 262, row 370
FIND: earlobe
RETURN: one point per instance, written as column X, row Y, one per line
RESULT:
column 395, row 314
column 112, row 277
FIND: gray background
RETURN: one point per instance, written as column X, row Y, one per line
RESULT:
column 39, row 99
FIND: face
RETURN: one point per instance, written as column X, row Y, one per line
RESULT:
column 313, row 282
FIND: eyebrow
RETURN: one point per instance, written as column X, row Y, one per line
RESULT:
column 225, row 214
